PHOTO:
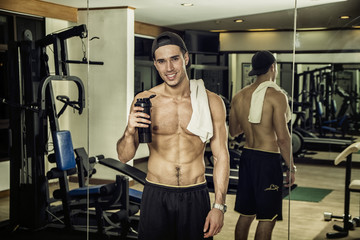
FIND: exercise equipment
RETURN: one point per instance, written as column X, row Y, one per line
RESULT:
column 308, row 85
column 297, row 142
column 333, row 126
column 32, row 115
column 350, row 100
column 76, row 202
column 352, row 223
column 317, row 88
column 304, row 139
column 138, row 175
column 350, row 186
column 328, row 216
column 357, row 221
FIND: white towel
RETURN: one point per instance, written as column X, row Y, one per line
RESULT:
column 200, row 123
column 257, row 101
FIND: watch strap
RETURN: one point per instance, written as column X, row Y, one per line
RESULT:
column 221, row 207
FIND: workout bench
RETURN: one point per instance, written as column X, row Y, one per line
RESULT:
column 76, row 202
column 350, row 186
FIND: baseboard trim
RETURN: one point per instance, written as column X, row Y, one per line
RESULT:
column 5, row 193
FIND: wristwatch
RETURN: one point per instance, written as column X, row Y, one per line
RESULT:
column 221, row 207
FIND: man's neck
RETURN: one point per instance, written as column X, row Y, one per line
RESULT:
column 263, row 78
column 178, row 91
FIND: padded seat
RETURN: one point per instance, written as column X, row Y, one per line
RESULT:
column 135, row 196
column 354, row 185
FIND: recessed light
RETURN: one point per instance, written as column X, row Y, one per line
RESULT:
column 344, row 17
column 238, row 20
column 219, row 30
column 261, row 29
column 312, row 29
column 187, row 4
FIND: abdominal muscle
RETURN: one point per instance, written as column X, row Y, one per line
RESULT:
column 176, row 159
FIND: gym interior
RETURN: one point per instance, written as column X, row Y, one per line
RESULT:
column 68, row 75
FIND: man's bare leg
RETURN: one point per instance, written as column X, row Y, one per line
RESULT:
column 264, row 230
column 242, row 227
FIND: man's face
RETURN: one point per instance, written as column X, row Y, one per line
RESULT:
column 170, row 62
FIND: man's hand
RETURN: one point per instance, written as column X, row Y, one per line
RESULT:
column 137, row 119
column 213, row 223
column 290, row 178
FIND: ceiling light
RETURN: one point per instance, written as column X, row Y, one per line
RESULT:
column 344, row 17
column 218, row 30
column 187, row 4
column 261, row 29
column 312, row 29
column 238, row 20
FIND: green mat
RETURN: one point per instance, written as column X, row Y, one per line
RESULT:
column 308, row 194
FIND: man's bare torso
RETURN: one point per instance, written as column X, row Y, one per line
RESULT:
column 176, row 155
column 262, row 135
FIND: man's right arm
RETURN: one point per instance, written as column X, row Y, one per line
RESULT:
column 127, row 145
column 280, row 125
column 282, row 133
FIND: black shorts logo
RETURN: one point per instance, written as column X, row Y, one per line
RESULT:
column 272, row 187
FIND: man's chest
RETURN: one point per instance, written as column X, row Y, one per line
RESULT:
column 171, row 117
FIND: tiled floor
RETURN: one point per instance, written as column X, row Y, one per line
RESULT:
column 306, row 218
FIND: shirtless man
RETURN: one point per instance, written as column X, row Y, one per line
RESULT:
column 267, row 137
column 176, row 202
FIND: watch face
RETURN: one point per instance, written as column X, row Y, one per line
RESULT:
column 221, row 207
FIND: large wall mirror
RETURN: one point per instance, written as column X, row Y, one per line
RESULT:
column 326, row 89
column 316, row 47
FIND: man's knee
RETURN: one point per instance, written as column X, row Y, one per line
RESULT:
column 245, row 221
column 266, row 225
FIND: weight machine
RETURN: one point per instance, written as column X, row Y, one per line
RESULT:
column 31, row 102
column 32, row 115
column 316, row 86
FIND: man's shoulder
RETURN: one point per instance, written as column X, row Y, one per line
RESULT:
column 148, row 93
column 241, row 93
column 275, row 93
column 276, row 98
column 213, row 96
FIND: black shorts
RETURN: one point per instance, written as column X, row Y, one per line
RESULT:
column 260, row 185
column 173, row 213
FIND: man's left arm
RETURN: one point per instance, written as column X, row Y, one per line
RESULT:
column 219, row 148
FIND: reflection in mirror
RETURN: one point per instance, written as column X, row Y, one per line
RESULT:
column 281, row 43
column 326, row 110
